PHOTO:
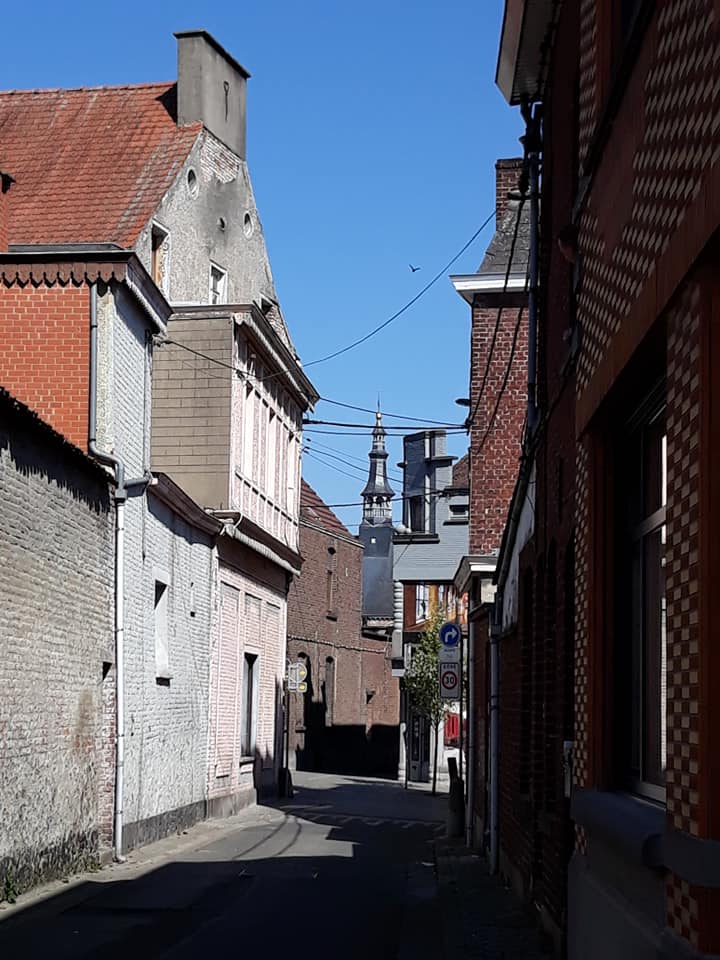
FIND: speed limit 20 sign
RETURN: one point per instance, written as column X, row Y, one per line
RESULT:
column 450, row 681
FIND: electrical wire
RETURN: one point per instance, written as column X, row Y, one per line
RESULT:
column 430, row 424
column 347, row 463
column 371, row 427
column 395, row 416
column 401, row 311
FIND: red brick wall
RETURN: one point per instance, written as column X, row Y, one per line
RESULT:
column 44, row 361
column 348, row 720
column 495, row 444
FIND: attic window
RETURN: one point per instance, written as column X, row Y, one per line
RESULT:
column 218, row 284
column 192, row 183
column 160, row 250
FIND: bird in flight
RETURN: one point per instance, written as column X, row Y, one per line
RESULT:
column 414, row 269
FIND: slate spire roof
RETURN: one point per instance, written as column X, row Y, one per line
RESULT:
column 377, row 493
column 92, row 164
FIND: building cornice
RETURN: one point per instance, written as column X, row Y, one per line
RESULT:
column 467, row 285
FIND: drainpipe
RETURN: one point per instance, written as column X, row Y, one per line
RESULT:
column 532, row 142
column 120, row 497
column 470, row 766
column 494, row 724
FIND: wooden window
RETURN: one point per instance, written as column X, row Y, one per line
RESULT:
column 218, row 284
column 160, row 256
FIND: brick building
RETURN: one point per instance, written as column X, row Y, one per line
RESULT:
column 630, row 198
column 497, row 295
column 96, row 251
column 56, row 649
column 347, row 722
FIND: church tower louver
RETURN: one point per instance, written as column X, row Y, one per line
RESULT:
column 376, row 535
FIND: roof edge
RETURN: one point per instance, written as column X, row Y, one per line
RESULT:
column 215, row 44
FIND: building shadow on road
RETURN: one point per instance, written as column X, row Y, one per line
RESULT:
column 262, row 896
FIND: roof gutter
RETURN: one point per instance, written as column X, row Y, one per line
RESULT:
column 520, row 65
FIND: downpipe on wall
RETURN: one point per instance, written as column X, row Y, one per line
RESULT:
column 494, row 733
column 122, row 486
column 470, row 764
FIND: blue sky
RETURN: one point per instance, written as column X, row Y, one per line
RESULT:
column 372, row 134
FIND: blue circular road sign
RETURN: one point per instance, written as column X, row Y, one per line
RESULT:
column 449, row 634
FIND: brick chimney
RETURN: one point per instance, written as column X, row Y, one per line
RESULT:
column 507, row 175
column 6, row 181
column 211, row 88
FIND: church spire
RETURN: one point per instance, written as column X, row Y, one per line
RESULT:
column 377, row 494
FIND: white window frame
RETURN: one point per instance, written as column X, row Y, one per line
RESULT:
column 222, row 285
column 161, row 632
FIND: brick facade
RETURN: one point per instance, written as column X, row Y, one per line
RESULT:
column 56, row 531
column 45, row 357
column 646, row 212
column 347, row 722
column 495, row 441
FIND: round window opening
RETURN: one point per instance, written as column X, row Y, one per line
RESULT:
column 192, row 182
column 248, row 225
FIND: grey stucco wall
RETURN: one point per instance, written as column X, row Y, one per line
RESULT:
column 56, row 630
column 196, row 237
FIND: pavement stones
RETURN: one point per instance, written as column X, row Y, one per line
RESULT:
column 481, row 918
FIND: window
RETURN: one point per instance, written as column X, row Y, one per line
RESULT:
column 159, row 252
column 422, row 602
column 160, row 622
column 329, row 691
column 330, row 582
column 641, row 630
column 248, row 722
column 416, row 514
column 218, row 284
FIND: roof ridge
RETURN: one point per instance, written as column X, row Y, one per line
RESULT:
column 87, row 89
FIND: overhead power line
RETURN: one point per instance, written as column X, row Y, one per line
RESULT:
column 338, row 403
column 401, row 311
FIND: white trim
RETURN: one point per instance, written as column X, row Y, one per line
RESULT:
column 488, row 283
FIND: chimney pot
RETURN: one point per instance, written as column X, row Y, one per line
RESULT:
column 507, row 177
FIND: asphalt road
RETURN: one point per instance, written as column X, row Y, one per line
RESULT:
column 344, row 870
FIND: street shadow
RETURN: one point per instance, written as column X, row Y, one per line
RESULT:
column 260, row 899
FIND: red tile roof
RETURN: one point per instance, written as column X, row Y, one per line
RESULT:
column 91, row 165
column 315, row 511
column 461, row 472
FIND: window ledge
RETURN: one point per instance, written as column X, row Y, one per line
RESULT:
column 246, row 761
column 634, row 827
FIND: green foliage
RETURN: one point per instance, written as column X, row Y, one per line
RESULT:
column 9, row 889
column 421, row 680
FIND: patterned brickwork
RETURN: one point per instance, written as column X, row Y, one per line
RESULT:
column 665, row 152
column 682, row 589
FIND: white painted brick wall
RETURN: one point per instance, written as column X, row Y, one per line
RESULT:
column 56, row 573
column 263, row 634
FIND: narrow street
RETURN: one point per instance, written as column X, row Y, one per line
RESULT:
column 345, row 869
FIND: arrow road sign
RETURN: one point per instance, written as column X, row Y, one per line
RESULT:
column 449, row 635
column 449, row 681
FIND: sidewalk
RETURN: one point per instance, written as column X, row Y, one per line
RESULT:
column 481, row 919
